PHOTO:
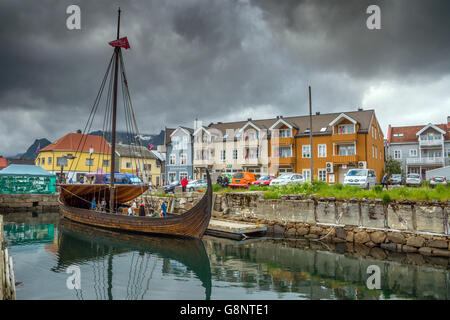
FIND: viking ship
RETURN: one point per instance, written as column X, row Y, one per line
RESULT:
column 75, row 198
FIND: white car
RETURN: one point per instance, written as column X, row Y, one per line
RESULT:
column 413, row 179
column 364, row 178
column 287, row 178
column 197, row 184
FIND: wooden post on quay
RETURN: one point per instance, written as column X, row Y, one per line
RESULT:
column 7, row 283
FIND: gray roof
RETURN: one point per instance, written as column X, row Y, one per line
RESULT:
column 133, row 151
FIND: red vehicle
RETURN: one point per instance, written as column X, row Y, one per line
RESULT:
column 263, row 181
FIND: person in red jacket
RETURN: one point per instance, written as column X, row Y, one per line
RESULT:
column 184, row 183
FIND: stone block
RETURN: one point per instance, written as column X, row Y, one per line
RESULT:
column 416, row 241
column 407, row 248
column 348, row 213
column 325, row 211
column 361, row 237
column 426, row 251
column 378, row 236
column 442, row 244
column 400, row 217
column 430, row 219
column 372, row 214
column 441, row 253
column 396, row 237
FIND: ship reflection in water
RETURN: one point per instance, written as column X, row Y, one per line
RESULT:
column 128, row 266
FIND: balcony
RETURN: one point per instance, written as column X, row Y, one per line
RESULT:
column 436, row 161
column 343, row 138
column 345, row 159
column 431, row 143
column 282, row 141
column 282, row 161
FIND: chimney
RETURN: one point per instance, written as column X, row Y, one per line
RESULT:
column 389, row 134
column 317, row 113
column 360, row 109
column 249, row 119
column 78, row 131
column 448, row 122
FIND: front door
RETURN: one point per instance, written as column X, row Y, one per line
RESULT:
column 423, row 173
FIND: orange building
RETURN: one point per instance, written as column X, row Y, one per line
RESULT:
column 341, row 141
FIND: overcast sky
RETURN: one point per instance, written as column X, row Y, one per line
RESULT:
column 222, row 60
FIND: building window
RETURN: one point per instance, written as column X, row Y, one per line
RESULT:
column 147, row 166
column 285, row 152
column 322, row 150
column 43, row 161
column 322, row 174
column 346, row 129
column 397, row 154
column 235, row 154
column 376, row 152
column 223, row 155
column 105, row 163
column 172, row 159
column 183, row 175
column 49, row 160
column 89, row 162
column 39, row 161
column 128, row 165
column 60, row 161
column 306, row 151
column 172, row 176
column 307, row 174
column 285, row 133
column 413, row 152
column 346, row 150
column 183, row 158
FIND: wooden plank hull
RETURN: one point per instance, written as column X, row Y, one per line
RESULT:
column 192, row 223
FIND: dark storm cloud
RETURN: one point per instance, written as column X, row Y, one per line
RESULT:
column 212, row 59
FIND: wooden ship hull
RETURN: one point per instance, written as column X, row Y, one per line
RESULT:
column 192, row 223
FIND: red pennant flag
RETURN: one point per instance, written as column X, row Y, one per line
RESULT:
column 122, row 42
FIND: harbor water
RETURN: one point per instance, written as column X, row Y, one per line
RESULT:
column 58, row 259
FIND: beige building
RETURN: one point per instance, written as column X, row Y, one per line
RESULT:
column 140, row 161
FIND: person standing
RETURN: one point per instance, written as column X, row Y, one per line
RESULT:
column 163, row 208
column 384, row 181
column 184, row 183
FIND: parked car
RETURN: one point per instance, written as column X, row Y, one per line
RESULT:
column 196, row 185
column 438, row 180
column 287, row 178
column 242, row 179
column 397, row 179
column 263, row 181
column 171, row 187
column 413, row 179
column 364, row 178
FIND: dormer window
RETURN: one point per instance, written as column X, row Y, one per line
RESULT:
column 285, row 133
column 346, row 129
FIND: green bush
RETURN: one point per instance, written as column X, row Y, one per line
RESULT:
column 377, row 188
column 272, row 195
column 386, row 198
column 216, row 187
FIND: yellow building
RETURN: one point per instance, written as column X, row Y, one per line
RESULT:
column 76, row 154
column 140, row 161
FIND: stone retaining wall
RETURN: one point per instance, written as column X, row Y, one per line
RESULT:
column 28, row 202
column 403, row 226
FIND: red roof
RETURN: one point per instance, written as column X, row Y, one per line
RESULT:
column 3, row 163
column 79, row 142
column 409, row 133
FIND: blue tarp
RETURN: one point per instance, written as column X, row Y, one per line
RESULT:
column 25, row 170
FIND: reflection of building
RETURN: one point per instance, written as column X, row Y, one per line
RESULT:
column 93, row 153
column 138, row 160
column 420, row 148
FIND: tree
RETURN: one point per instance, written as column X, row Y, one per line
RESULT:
column 393, row 166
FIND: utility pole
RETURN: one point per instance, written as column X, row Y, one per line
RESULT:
column 310, row 136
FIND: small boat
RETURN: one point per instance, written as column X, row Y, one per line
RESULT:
column 74, row 199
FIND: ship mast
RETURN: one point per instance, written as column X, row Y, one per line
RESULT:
column 113, row 130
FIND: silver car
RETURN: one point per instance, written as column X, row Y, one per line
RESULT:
column 413, row 179
column 196, row 185
column 288, row 178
